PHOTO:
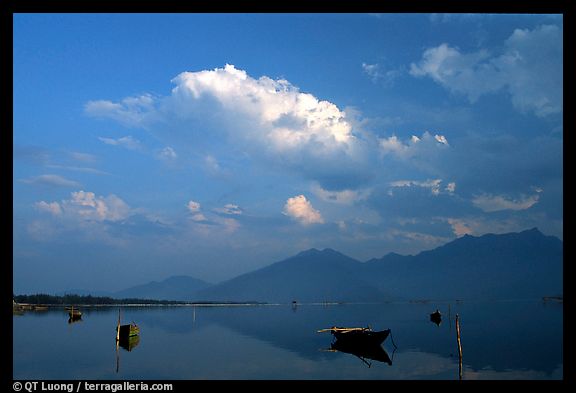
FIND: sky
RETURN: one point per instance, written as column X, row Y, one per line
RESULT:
column 211, row 145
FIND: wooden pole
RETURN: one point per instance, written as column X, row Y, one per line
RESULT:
column 118, row 327
column 459, row 347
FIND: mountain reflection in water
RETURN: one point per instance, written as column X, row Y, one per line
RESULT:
column 277, row 342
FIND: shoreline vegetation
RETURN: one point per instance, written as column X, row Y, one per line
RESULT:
column 44, row 301
column 96, row 301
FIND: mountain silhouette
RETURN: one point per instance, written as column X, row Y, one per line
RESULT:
column 521, row 265
column 518, row 265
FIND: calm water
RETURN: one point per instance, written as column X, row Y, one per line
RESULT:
column 500, row 340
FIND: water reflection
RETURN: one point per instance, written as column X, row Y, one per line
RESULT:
column 74, row 319
column 129, row 343
column 273, row 342
column 362, row 351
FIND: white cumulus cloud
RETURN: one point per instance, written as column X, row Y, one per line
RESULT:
column 270, row 119
column 88, row 206
column 528, row 67
column 301, row 210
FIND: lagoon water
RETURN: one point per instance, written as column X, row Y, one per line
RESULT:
column 500, row 340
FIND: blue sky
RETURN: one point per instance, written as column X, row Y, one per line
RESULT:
column 210, row 145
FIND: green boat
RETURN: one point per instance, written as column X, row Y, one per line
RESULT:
column 123, row 332
column 126, row 331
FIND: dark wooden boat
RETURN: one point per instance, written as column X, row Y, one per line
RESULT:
column 436, row 317
column 74, row 313
column 359, row 336
column 127, row 331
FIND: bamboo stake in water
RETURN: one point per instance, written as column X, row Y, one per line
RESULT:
column 118, row 327
column 459, row 347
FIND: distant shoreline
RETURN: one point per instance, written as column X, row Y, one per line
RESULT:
column 24, row 301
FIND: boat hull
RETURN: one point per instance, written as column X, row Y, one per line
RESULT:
column 127, row 331
column 361, row 337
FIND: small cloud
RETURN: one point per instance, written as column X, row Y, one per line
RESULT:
column 344, row 197
column 193, row 207
column 198, row 217
column 493, row 203
column 378, row 74
column 412, row 147
column 301, row 210
column 212, row 166
column 84, row 157
column 52, row 208
column 127, row 142
column 433, row 185
column 441, row 139
column 230, row 225
column 51, row 180
column 229, row 209
column 451, row 187
column 167, row 154
column 459, row 227
column 131, row 111
column 78, row 169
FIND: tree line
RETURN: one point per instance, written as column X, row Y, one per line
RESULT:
column 42, row 298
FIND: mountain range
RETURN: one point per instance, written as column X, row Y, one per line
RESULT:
column 520, row 265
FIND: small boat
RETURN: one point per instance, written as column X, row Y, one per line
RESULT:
column 124, row 332
column 436, row 317
column 363, row 336
column 74, row 313
column 40, row 307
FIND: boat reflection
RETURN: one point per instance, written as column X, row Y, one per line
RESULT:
column 364, row 351
column 74, row 319
column 364, row 343
column 127, row 343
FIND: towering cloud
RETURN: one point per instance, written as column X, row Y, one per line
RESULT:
column 271, row 119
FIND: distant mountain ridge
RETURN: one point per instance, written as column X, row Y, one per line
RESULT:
column 518, row 265
column 309, row 276
column 172, row 288
column 180, row 288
